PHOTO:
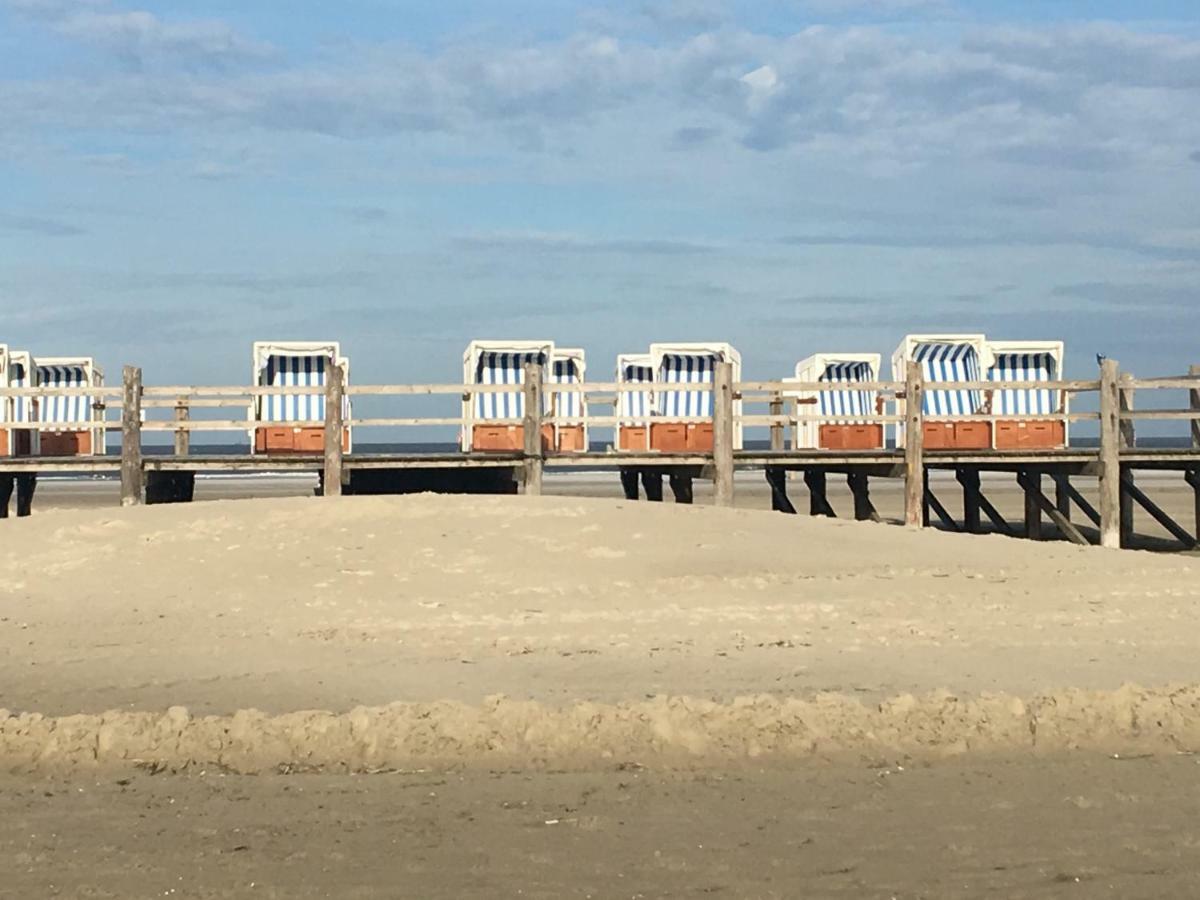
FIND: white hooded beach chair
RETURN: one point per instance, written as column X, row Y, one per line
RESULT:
column 854, row 407
column 294, row 423
column 948, row 358
column 18, row 370
column 570, row 431
column 491, row 421
column 1028, row 361
column 690, row 363
column 76, row 413
column 634, row 408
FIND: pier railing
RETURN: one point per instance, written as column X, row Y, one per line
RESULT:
column 781, row 407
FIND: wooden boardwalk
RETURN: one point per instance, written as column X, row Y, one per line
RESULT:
column 1115, row 462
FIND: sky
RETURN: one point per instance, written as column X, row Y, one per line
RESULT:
column 179, row 179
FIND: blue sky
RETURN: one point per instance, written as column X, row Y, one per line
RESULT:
column 180, row 179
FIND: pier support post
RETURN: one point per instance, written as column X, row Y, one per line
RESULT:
column 1062, row 495
column 132, row 475
column 1031, row 482
column 778, row 435
column 183, row 437
column 914, row 447
column 629, row 483
column 723, row 434
column 969, row 479
column 532, row 426
column 1193, row 478
column 1110, row 454
column 860, row 488
column 818, row 495
column 777, row 480
column 335, row 392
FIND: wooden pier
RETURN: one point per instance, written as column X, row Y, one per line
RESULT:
column 1115, row 462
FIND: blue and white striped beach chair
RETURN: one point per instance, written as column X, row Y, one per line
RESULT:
column 78, row 414
column 689, row 364
column 567, row 366
column 294, row 423
column 22, row 373
column 948, row 358
column 838, row 419
column 634, row 408
column 1015, row 361
column 485, row 414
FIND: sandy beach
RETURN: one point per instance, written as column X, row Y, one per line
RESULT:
column 567, row 696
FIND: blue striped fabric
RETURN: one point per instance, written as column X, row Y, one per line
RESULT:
column 848, row 403
column 1024, row 401
column 565, row 371
column 949, row 362
column 689, row 368
column 294, row 371
column 636, row 405
column 503, row 368
column 64, row 409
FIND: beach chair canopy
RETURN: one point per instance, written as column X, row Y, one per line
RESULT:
column 841, row 368
column 946, row 358
column 294, row 364
column 68, row 372
column 689, row 364
column 1028, row 361
column 503, row 362
column 567, row 366
column 635, row 368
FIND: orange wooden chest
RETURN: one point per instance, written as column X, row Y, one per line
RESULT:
column 511, row 438
column 274, row 439
column 939, row 435
column 669, row 437
column 1017, row 435
column 972, row 436
column 633, row 437
column 850, row 437
column 571, row 439
column 66, row 443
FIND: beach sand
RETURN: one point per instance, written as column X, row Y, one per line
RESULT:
column 451, row 696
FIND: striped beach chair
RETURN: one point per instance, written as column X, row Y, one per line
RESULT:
column 22, row 373
column 567, row 366
column 491, row 419
column 1028, row 361
column 948, row 358
column 79, row 415
column 634, row 408
column 853, row 408
column 688, row 364
column 294, row 423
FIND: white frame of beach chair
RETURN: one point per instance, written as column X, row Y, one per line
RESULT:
column 723, row 352
column 904, row 352
column 21, row 410
column 812, row 369
column 552, row 401
column 262, row 351
column 475, row 349
column 642, row 361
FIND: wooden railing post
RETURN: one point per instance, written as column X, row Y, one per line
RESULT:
column 183, row 437
column 723, row 426
column 914, row 446
column 1194, row 371
column 132, row 475
column 532, row 426
column 1110, row 454
column 335, row 393
column 778, row 436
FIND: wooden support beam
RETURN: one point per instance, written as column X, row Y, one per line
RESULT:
column 681, row 487
column 1062, row 498
column 132, row 475
column 1128, row 430
column 860, row 488
column 183, row 436
column 723, row 427
column 1110, row 455
column 335, row 392
column 1071, row 494
column 942, row 513
column 1194, row 397
column 969, row 479
column 818, row 495
column 1180, row 534
column 1193, row 478
column 629, row 483
column 925, row 492
column 914, row 447
column 1030, row 481
column 994, row 516
column 652, row 484
column 534, row 460
column 780, row 502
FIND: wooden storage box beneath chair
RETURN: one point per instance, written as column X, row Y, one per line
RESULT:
column 958, row 436
column 939, row 435
column 1018, row 435
column 851, row 437
column 669, row 437
column 275, row 439
column 66, row 443
column 570, row 439
column 633, row 437
column 511, row 438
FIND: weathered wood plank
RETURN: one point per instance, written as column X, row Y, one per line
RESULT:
column 914, row 445
column 723, row 427
column 1110, row 454
column 182, row 435
column 335, row 387
column 132, row 474
column 532, row 426
column 1178, row 532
